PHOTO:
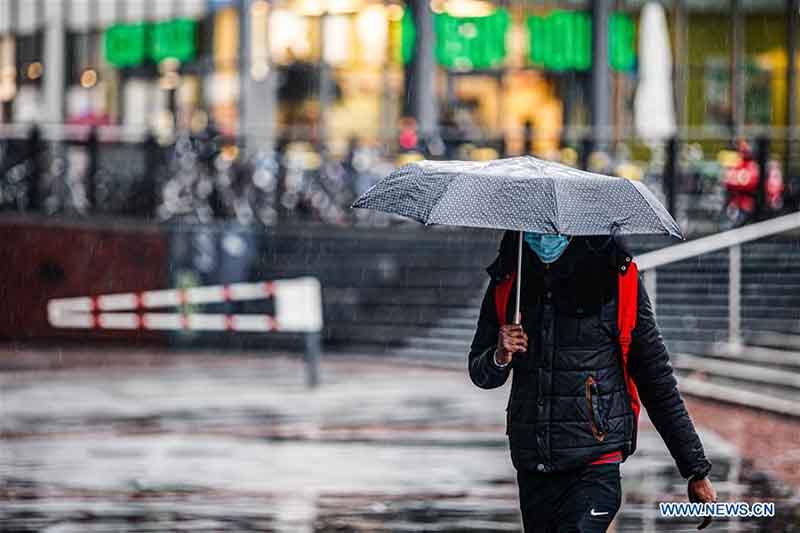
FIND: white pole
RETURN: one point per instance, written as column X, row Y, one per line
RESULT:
column 54, row 83
column 650, row 284
column 517, row 317
column 734, row 295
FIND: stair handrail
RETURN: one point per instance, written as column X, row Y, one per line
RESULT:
column 718, row 241
column 731, row 240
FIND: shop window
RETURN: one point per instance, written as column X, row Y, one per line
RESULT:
column 757, row 96
column 29, row 58
column 82, row 57
column 757, row 93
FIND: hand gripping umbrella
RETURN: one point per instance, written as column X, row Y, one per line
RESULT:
column 520, row 194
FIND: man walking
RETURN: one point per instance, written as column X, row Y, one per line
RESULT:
column 574, row 402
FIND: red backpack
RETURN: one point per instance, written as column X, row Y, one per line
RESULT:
column 627, row 298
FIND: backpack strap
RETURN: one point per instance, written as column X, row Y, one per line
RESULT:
column 627, row 307
column 502, row 290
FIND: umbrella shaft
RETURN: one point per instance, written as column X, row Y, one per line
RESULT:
column 517, row 317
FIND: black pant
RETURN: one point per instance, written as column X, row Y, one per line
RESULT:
column 579, row 501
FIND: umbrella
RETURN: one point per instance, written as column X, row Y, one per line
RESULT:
column 654, row 112
column 520, row 194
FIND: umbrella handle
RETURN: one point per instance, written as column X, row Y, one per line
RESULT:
column 517, row 317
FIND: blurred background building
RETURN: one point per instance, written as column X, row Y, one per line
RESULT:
column 354, row 84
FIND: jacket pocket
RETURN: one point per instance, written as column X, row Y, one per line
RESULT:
column 596, row 418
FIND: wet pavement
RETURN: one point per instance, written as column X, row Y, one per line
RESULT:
column 213, row 442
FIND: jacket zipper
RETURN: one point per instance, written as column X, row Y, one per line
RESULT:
column 591, row 385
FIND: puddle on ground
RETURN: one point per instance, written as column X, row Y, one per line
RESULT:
column 249, row 449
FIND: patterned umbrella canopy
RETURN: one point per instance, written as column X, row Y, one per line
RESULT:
column 520, row 193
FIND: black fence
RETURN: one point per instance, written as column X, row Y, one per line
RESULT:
column 200, row 177
column 208, row 177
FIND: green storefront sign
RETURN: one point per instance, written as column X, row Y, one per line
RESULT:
column 621, row 42
column 129, row 45
column 408, row 36
column 462, row 43
column 173, row 39
column 558, row 41
column 466, row 43
column 562, row 40
column 125, row 45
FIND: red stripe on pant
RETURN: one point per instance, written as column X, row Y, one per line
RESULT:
column 607, row 458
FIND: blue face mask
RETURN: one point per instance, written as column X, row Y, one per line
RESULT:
column 548, row 247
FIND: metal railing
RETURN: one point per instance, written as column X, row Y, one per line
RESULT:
column 732, row 241
column 79, row 170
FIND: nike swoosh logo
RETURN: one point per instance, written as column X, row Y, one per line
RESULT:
column 597, row 513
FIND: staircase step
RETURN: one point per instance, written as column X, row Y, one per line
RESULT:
column 689, row 286
column 789, row 299
column 738, row 395
column 457, row 322
column 692, row 322
column 782, row 312
column 774, row 339
column 768, row 289
column 667, row 297
column 749, row 373
column 434, row 356
column 467, row 312
column 440, row 344
column 785, row 316
column 759, row 355
column 785, row 325
column 699, row 335
column 720, row 278
column 440, row 332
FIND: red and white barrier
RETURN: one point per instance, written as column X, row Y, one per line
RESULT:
column 297, row 303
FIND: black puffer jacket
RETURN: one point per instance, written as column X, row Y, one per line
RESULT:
column 569, row 403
